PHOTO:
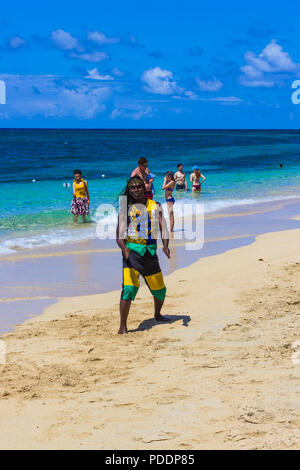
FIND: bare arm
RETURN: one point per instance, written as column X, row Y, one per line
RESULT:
column 87, row 191
column 168, row 185
column 164, row 233
column 120, row 234
column 149, row 184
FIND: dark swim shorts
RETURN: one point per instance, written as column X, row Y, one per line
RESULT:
column 146, row 266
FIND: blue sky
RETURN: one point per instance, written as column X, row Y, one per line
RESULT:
column 158, row 64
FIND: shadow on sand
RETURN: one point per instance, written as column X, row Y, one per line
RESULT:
column 150, row 323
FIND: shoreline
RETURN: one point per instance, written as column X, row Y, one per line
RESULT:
column 236, row 210
column 219, row 376
column 58, row 273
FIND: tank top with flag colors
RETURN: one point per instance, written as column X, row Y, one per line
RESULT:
column 143, row 226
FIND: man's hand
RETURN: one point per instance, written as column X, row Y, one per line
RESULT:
column 167, row 251
column 126, row 252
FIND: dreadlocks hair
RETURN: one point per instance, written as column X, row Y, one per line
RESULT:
column 126, row 192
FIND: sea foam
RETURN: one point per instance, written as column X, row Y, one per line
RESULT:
column 59, row 237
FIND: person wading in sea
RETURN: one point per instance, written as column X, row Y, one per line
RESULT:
column 81, row 197
column 180, row 178
column 197, row 179
column 141, row 170
column 168, row 186
column 137, row 234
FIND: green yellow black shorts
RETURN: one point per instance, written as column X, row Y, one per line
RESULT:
column 146, row 266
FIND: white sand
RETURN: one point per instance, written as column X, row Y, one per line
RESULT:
column 221, row 376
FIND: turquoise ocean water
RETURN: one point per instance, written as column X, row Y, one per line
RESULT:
column 241, row 167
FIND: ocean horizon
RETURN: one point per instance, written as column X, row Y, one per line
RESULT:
column 241, row 168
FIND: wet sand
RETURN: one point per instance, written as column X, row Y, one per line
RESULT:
column 35, row 279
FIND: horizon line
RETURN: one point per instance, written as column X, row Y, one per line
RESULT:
column 148, row 129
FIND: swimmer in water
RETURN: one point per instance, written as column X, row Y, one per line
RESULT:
column 168, row 187
column 149, row 186
column 141, row 170
column 180, row 178
column 197, row 179
column 81, row 197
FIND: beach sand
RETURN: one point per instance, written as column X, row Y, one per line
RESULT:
column 219, row 376
column 34, row 279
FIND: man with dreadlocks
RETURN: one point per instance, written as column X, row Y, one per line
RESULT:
column 137, row 232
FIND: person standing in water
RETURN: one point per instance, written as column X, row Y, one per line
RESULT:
column 197, row 179
column 81, row 197
column 180, row 178
column 141, row 170
column 137, row 234
column 149, row 186
column 168, row 187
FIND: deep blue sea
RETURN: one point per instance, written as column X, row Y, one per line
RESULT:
column 241, row 167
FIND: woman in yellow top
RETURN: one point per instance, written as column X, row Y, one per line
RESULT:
column 81, row 197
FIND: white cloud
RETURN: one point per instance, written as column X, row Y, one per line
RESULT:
column 130, row 40
column 263, row 70
column 226, row 100
column 271, row 59
column 84, row 103
column 16, row 42
column 257, row 83
column 57, row 98
column 65, row 40
column 117, row 72
column 186, row 95
column 132, row 111
column 191, row 95
column 101, row 38
column 209, row 85
column 95, row 75
column 159, row 81
column 90, row 56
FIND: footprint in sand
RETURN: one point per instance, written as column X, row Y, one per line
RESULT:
column 256, row 416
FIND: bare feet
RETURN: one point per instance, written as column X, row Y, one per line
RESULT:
column 123, row 331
